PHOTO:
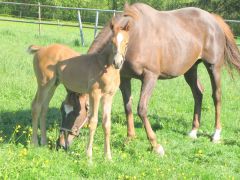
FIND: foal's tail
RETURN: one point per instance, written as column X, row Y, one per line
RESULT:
column 32, row 49
column 231, row 51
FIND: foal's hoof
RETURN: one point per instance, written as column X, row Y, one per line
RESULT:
column 159, row 150
column 193, row 134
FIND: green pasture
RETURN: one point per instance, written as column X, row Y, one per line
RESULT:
column 170, row 113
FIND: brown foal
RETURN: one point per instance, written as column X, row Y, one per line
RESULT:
column 45, row 64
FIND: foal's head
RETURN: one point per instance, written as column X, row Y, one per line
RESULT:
column 74, row 114
column 120, row 42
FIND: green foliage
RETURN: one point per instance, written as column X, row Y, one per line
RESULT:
column 170, row 113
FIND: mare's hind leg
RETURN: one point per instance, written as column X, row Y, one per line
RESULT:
column 148, row 84
column 94, row 99
column 191, row 79
column 106, row 123
column 215, row 76
column 125, row 88
column 43, row 115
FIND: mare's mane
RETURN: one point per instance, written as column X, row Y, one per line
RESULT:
column 104, row 37
column 131, row 11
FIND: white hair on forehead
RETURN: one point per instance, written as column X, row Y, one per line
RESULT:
column 119, row 38
column 68, row 108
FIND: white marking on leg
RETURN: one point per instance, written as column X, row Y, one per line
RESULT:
column 193, row 134
column 159, row 150
column 217, row 135
column 68, row 109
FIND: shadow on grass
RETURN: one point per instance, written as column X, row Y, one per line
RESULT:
column 231, row 142
column 9, row 121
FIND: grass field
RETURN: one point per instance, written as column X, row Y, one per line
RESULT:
column 170, row 113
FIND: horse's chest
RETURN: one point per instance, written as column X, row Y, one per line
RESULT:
column 110, row 81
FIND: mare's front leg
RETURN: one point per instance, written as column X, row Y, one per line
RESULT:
column 215, row 76
column 94, row 99
column 106, row 124
column 125, row 88
column 148, row 84
column 197, row 90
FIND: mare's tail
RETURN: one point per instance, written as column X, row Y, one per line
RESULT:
column 32, row 49
column 231, row 51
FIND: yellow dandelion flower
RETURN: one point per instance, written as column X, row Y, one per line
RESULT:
column 23, row 152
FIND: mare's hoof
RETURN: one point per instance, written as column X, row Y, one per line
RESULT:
column 159, row 150
column 193, row 134
column 216, row 137
column 216, row 141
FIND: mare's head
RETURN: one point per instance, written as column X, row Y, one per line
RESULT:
column 74, row 115
column 119, row 41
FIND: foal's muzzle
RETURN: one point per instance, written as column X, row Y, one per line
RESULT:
column 65, row 139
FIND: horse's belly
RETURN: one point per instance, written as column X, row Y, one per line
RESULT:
column 176, row 69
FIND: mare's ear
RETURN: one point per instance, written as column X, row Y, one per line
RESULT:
column 126, row 5
column 126, row 25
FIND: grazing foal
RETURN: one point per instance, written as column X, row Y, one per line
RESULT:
column 45, row 64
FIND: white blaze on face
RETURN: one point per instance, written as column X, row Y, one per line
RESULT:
column 119, row 39
column 68, row 109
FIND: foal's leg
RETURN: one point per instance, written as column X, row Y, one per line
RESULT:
column 43, row 115
column 148, row 84
column 94, row 99
column 106, row 123
column 125, row 88
column 215, row 76
column 37, row 106
column 191, row 79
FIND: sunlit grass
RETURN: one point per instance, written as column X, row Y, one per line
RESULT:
column 170, row 113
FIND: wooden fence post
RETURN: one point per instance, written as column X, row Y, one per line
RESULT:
column 80, row 28
column 39, row 18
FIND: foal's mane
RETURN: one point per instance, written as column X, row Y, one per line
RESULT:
column 101, row 40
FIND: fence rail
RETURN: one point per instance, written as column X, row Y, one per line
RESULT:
column 80, row 24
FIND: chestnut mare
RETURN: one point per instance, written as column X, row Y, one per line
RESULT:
column 48, row 80
column 167, row 44
column 96, row 75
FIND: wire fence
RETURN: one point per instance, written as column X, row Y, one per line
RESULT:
column 56, row 15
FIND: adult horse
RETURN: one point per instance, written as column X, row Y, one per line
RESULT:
column 167, row 44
